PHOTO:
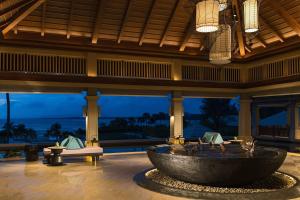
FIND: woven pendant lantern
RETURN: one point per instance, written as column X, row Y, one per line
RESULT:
column 207, row 16
column 220, row 52
column 251, row 16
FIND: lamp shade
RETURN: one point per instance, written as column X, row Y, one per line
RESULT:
column 222, row 5
column 220, row 52
column 207, row 16
column 251, row 16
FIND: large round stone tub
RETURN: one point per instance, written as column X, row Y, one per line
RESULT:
column 211, row 165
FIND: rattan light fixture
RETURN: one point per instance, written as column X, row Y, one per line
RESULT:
column 220, row 51
column 251, row 16
column 207, row 16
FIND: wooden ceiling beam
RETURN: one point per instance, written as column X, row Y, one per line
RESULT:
column 70, row 19
column 189, row 31
column 273, row 48
column 248, row 49
column 43, row 18
column 164, row 35
column 98, row 20
column 20, row 17
column 270, row 27
column 147, row 22
column 261, row 41
column 292, row 22
column 13, row 7
column 125, row 19
column 31, row 39
column 239, row 29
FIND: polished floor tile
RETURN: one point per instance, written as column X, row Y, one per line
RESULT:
column 110, row 179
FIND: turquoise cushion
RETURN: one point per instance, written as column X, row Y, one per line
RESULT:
column 212, row 137
column 72, row 143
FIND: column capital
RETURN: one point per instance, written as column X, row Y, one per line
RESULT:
column 176, row 94
column 92, row 97
column 177, row 99
column 245, row 98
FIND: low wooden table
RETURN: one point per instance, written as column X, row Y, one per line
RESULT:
column 55, row 157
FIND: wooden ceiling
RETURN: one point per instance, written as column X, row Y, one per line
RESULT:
column 161, row 26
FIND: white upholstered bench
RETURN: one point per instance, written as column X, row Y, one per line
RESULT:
column 94, row 152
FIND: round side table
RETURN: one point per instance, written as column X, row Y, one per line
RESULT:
column 55, row 157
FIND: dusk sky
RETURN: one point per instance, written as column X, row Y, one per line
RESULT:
column 70, row 105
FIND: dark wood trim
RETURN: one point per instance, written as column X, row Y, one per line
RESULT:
column 288, row 79
column 140, row 81
column 117, row 81
column 59, row 42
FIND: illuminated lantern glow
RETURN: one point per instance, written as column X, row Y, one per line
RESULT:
column 207, row 16
column 251, row 16
column 220, row 52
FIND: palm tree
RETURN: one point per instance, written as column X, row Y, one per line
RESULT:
column 7, row 132
column 8, row 126
column 141, row 121
column 162, row 116
column 19, row 131
column 55, row 131
column 80, row 133
column 30, row 134
column 146, row 117
column 215, row 113
column 131, row 121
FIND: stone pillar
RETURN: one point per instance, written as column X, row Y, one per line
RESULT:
column 92, row 114
column 176, row 116
column 245, row 117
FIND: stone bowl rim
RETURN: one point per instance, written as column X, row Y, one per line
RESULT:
column 273, row 149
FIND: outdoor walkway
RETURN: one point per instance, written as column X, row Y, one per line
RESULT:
column 111, row 179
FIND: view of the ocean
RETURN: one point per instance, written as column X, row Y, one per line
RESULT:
column 41, row 125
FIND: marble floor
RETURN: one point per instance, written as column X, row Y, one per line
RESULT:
column 110, row 179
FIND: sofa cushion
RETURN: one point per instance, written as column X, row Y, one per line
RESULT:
column 72, row 143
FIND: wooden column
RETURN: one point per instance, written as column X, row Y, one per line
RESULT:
column 92, row 114
column 176, row 116
column 245, row 117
